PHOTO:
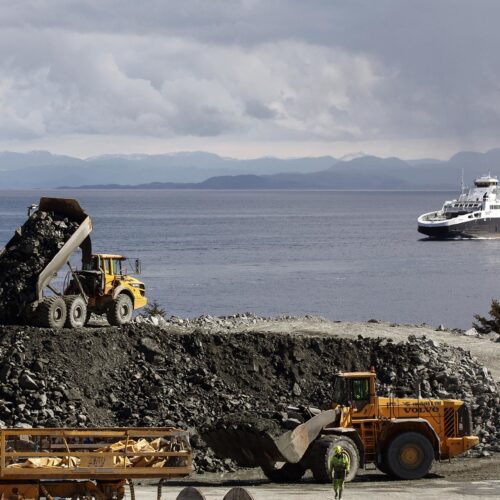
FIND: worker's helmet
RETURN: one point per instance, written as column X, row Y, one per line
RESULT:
column 338, row 450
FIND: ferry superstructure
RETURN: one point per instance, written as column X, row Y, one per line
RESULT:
column 473, row 214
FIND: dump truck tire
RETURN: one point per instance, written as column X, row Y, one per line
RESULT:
column 120, row 311
column 76, row 311
column 409, row 456
column 51, row 313
column 288, row 473
column 321, row 451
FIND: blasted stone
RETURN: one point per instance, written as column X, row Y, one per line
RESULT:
column 26, row 382
column 33, row 246
column 471, row 332
column 118, row 386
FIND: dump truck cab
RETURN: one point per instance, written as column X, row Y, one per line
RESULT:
column 107, row 282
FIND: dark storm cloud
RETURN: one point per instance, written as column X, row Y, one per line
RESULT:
column 317, row 70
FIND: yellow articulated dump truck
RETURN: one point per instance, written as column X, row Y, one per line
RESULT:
column 89, row 463
column 103, row 285
column 401, row 436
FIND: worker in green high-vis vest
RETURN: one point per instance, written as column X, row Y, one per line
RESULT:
column 338, row 466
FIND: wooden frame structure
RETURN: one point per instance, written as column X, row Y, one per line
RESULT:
column 88, row 463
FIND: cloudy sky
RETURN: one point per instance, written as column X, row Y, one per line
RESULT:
column 247, row 78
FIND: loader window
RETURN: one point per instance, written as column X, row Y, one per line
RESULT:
column 360, row 392
column 360, row 389
column 340, row 391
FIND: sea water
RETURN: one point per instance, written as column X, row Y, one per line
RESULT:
column 345, row 255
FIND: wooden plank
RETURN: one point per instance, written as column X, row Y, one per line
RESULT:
column 64, row 453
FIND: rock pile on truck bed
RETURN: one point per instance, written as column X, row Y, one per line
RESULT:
column 32, row 247
column 142, row 375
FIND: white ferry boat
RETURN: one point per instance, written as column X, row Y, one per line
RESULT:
column 475, row 214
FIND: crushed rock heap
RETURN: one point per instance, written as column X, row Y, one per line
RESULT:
column 142, row 375
column 32, row 247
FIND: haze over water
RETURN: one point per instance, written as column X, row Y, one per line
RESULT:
column 343, row 255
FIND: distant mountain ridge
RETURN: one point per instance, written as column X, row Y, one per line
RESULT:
column 43, row 170
column 199, row 170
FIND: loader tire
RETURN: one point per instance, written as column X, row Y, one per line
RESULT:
column 120, row 311
column 76, row 311
column 409, row 456
column 51, row 313
column 288, row 473
column 322, row 450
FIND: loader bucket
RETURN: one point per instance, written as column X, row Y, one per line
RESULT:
column 254, row 448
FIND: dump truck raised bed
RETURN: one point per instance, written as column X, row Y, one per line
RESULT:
column 88, row 463
column 40, row 249
column 401, row 436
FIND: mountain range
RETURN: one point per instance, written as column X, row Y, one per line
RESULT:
column 200, row 170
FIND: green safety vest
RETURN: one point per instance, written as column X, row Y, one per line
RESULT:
column 340, row 465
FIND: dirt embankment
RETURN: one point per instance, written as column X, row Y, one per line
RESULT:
column 145, row 375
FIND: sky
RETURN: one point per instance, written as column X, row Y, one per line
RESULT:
column 249, row 78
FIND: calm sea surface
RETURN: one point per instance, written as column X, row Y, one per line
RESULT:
column 343, row 255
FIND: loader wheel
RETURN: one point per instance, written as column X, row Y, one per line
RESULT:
column 120, row 311
column 322, row 450
column 76, row 309
column 51, row 313
column 288, row 473
column 409, row 456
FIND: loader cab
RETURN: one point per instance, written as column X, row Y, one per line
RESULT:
column 354, row 389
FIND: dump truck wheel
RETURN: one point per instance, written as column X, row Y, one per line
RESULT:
column 288, row 473
column 120, row 311
column 321, row 452
column 409, row 456
column 51, row 313
column 76, row 312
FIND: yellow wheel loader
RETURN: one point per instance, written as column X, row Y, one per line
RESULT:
column 401, row 436
column 103, row 285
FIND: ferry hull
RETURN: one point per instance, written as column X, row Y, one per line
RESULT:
column 478, row 228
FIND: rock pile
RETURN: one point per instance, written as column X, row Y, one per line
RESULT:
column 141, row 375
column 211, row 323
column 32, row 247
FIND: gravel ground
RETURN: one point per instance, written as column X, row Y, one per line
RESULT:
column 460, row 478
